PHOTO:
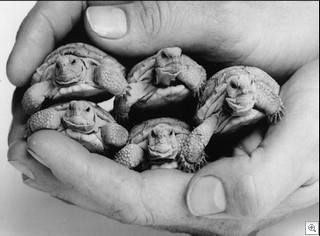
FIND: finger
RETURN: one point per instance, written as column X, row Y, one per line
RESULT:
column 223, row 33
column 45, row 25
column 251, row 186
column 303, row 197
column 104, row 3
column 152, row 198
column 39, row 177
column 16, row 131
column 251, row 141
column 144, row 27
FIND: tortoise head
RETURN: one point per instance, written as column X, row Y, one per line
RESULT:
column 163, row 145
column 69, row 69
column 168, row 65
column 81, row 117
column 240, row 93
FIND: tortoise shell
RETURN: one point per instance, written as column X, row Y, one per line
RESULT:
column 140, row 132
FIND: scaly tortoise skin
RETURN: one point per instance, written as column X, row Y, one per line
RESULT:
column 166, row 78
column 233, row 97
column 155, row 143
column 74, row 71
column 83, row 121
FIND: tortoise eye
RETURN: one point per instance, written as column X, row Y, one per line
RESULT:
column 164, row 55
column 73, row 62
column 234, row 85
column 171, row 132
column 88, row 109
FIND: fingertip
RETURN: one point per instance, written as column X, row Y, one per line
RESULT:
column 52, row 144
column 119, row 29
column 45, row 25
column 17, row 74
column 34, row 41
column 206, row 196
column 16, row 150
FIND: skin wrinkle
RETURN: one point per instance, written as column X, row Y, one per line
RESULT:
column 225, row 40
column 151, row 19
column 51, row 26
column 150, row 218
column 137, row 213
column 72, row 20
column 161, row 17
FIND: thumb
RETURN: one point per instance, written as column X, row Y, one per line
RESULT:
column 142, row 28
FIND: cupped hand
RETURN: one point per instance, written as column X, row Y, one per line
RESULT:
column 270, row 174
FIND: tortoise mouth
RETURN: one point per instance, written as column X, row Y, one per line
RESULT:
column 241, row 104
column 163, row 155
column 65, row 83
column 161, row 161
column 166, row 77
column 69, row 78
column 77, row 123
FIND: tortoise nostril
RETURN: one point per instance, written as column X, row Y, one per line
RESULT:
column 153, row 134
column 72, row 104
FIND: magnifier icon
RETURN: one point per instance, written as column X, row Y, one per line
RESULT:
column 312, row 228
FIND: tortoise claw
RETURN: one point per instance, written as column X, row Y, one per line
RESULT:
column 192, row 156
column 121, row 118
column 277, row 116
column 189, row 167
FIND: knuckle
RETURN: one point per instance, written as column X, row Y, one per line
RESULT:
column 247, row 198
column 129, row 214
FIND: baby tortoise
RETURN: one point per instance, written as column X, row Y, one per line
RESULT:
column 83, row 121
column 233, row 97
column 166, row 78
column 74, row 70
column 155, row 143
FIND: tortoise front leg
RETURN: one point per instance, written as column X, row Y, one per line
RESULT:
column 124, row 102
column 130, row 156
column 114, row 134
column 48, row 118
column 193, row 76
column 269, row 102
column 192, row 154
column 111, row 76
column 35, row 96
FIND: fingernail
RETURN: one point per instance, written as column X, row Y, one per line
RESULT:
column 32, row 184
column 38, row 158
column 22, row 168
column 206, row 196
column 107, row 21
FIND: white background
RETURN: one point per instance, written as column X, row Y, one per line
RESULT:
column 24, row 211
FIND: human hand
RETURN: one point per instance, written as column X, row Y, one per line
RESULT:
column 158, row 197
